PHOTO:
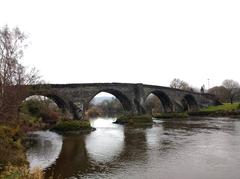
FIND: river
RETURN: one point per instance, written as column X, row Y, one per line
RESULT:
column 195, row 148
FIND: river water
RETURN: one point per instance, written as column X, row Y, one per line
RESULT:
column 196, row 148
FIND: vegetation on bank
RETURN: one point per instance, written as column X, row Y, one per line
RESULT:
column 72, row 125
column 13, row 124
column 171, row 115
column 227, row 109
column 134, row 120
column 224, row 107
column 11, row 148
column 42, row 114
column 21, row 172
column 13, row 162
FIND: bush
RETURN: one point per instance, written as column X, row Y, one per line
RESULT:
column 14, row 172
column 35, row 109
column 130, row 119
column 11, row 149
column 72, row 125
column 50, row 117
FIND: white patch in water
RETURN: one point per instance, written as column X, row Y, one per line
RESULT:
column 46, row 149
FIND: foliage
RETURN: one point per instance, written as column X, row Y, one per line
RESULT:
column 72, row 125
column 11, row 149
column 233, row 88
column 153, row 105
column 21, row 172
column 171, row 115
column 30, row 123
column 227, row 109
column 224, row 107
column 106, row 108
column 221, row 92
column 40, row 109
column 132, row 119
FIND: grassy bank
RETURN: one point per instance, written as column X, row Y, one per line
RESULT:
column 72, row 126
column 134, row 120
column 224, row 107
column 227, row 109
column 13, row 162
column 11, row 148
column 170, row 115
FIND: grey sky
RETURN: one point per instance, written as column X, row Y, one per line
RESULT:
column 129, row 41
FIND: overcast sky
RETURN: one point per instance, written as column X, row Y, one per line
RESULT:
column 141, row 41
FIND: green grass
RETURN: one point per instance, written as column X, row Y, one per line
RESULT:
column 171, row 115
column 224, row 107
column 130, row 119
column 72, row 125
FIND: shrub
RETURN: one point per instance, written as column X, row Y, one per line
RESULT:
column 35, row 109
column 11, row 149
column 131, row 119
column 72, row 125
column 14, row 172
column 50, row 116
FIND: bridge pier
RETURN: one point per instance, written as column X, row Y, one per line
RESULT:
column 138, row 101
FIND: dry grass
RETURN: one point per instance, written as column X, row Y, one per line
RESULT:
column 14, row 172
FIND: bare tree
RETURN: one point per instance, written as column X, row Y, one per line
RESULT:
column 13, row 76
column 233, row 88
column 221, row 92
column 179, row 84
column 153, row 105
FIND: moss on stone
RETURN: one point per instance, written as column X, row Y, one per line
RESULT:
column 72, row 125
column 132, row 119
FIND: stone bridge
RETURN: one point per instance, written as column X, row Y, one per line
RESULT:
column 75, row 98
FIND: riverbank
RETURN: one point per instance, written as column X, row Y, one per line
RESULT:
column 224, row 110
column 13, row 161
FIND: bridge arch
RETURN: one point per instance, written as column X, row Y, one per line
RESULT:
column 164, row 98
column 189, row 103
column 60, row 102
column 123, row 99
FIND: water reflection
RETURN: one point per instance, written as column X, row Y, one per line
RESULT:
column 45, row 149
column 70, row 160
column 106, row 143
column 193, row 148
